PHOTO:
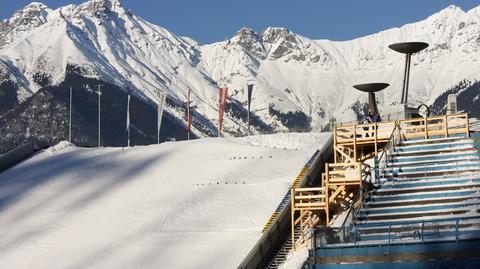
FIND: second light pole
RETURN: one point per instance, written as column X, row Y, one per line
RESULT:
column 99, row 92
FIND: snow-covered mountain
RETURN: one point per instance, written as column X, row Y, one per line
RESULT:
column 299, row 82
column 316, row 76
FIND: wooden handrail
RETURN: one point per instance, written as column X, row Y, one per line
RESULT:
column 418, row 127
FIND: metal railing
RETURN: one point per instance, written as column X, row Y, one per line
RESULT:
column 414, row 232
column 381, row 162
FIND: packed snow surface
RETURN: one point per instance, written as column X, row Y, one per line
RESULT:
column 191, row 204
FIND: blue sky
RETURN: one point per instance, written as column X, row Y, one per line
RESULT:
column 209, row 21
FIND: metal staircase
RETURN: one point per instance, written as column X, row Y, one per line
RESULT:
column 281, row 251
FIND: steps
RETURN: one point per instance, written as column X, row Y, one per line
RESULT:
column 424, row 158
column 430, row 191
column 426, row 200
column 281, row 252
column 433, row 183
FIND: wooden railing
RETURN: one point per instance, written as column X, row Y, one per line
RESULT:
column 343, row 173
column 309, row 198
column 440, row 126
column 357, row 136
column 307, row 201
column 339, row 182
column 361, row 133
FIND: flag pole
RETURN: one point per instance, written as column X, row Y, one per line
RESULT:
column 70, row 118
column 188, row 115
column 99, row 112
column 128, row 121
column 248, row 119
column 219, row 110
column 249, row 101
column 158, row 123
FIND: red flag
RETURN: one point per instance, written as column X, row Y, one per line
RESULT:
column 222, row 105
column 188, row 113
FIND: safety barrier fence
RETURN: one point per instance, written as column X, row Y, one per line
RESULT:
column 16, row 155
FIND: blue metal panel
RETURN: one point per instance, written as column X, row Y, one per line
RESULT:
column 397, row 249
column 434, row 146
column 439, row 157
column 421, row 196
column 372, row 224
column 413, row 184
column 416, row 209
column 454, row 263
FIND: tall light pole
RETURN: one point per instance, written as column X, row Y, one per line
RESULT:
column 99, row 92
column 188, row 115
column 407, row 48
column 70, row 119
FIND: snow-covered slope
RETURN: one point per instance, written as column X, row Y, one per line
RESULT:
column 197, row 204
column 312, row 79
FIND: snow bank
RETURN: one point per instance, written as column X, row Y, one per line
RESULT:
column 61, row 146
column 185, row 204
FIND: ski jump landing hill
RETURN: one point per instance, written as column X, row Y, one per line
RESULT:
column 196, row 204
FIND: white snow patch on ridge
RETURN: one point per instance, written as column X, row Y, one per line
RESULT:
column 173, row 205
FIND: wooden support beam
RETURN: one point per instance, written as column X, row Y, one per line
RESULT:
column 467, row 123
column 426, row 128
column 292, row 220
column 335, row 194
column 355, row 143
column 340, row 150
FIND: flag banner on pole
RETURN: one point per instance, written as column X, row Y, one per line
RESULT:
column 222, row 105
column 128, row 120
column 188, row 112
column 249, row 93
column 161, row 104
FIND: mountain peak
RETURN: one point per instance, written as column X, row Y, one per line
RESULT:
column 30, row 16
column 36, row 5
column 274, row 33
column 33, row 8
column 99, row 7
column 450, row 11
column 250, row 41
column 108, row 4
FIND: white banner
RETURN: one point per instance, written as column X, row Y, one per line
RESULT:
column 162, row 97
